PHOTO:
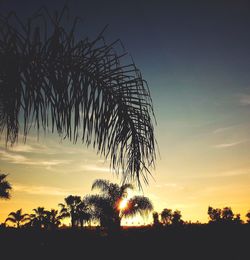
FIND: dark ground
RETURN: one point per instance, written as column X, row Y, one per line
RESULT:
column 189, row 242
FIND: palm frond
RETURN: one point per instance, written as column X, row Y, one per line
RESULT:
column 103, row 185
column 138, row 205
column 82, row 89
column 11, row 219
column 125, row 187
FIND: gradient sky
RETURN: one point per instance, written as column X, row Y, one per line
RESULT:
column 195, row 57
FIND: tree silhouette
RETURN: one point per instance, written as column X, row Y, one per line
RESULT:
column 224, row 215
column 156, row 222
column 84, row 213
column 52, row 219
column 166, row 216
column 37, row 219
column 227, row 214
column 17, row 217
column 214, row 214
column 5, row 187
column 107, row 206
column 248, row 217
column 176, row 218
column 72, row 209
column 82, row 89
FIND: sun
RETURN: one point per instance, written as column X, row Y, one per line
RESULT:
column 123, row 204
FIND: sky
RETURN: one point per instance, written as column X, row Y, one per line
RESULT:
column 195, row 56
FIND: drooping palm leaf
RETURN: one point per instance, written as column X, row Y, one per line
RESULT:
column 79, row 88
column 5, row 187
column 138, row 205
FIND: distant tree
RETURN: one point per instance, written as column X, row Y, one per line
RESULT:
column 5, row 187
column 214, row 215
column 52, row 219
column 17, row 217
column 224, row 215
column 109, row 207
column 248, row 217
column 166, row 216
column 237, row 219
column 71, row 209
column 37, row 219
column 227, row 214
column 176, row 218
column 156, row 222
column 83, row 213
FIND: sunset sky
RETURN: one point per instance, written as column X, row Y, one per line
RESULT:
column 195, row 57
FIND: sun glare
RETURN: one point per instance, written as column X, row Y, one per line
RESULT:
column 123, row 204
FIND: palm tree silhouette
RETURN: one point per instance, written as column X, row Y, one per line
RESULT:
column 84, row 213
column 37, row 219
column 52, row 219
column 81, row 88
column 17, row 217
column 107, row 205
column 5, row 187
column 71, row 209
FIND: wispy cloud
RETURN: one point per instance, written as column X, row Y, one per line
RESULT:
column 41, row 190
column 244, row 99
column 228, row 145
column 96, row 168
column 227, row 173
column 223, row 129
column 21, row 159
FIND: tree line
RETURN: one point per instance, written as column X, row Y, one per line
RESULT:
column 107, row 209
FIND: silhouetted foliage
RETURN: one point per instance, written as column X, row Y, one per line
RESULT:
column 5, row 187
column 70, row 209
column 17, row 217
column 224, row 215
column 248, row 217
column 106, row 207
column 214, row 214
column 38, row 218
column 156, row 222
column 52, row 219
column 176, row 218
column 166, row 216
column 80, row 88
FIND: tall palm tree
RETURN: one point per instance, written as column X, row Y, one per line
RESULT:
column 17, row 217
column 5, row 187
column 71, row 209
column 84, row 213
column 107, row 205
column 52, row 219
column 38, row 217
column 83, row 88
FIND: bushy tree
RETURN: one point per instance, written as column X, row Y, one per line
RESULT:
column 248, row 217
column 166, row 216
column 107, row 207
column 224, row 215
column 156, row 221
